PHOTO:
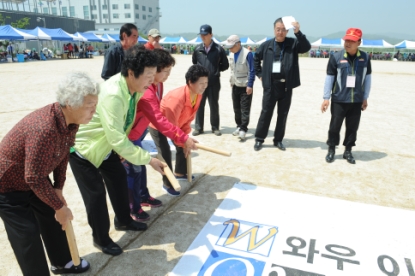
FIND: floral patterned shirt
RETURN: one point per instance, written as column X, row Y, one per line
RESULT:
column 35, row 147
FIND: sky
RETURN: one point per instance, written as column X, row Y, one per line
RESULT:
column 317, row 18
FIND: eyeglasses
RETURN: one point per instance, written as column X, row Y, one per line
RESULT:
column 280, row 30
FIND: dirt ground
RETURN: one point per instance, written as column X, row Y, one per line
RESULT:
column 383, row 174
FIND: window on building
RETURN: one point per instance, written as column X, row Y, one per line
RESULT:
column 64, row 11
column 137, row 16
column 35, row 10
column 86, row 11
column 115, row 6
column 105, row 15
column 72, row 11
column 116, row 29
column 94, row 16
column 127, row 15
column 127, row 6
column 115, row 15
column 144, row 17
column 137, row 7
column 149, row 16
column 150, row 9
column 106, row 29
column 54, row 11
column 93, row 7
column 143, row 8
column 45, row 10
column 105, row 7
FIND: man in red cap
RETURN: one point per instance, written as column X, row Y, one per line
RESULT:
column 348, row 84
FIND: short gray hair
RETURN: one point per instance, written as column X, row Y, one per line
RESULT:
column 74, row 87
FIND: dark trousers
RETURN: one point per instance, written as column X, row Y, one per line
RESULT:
column 164, row 154
column 340, row 111
column 241, row 107
column 278, row 93
column 26, row 219
column 137, row 181
column 212, row 94
column 92, row 182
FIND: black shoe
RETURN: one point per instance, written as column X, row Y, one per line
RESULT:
column 133, row 226
column 349, row 157
column 217, row 132
column 82, row 267
column 258, row 145
column 279, row 145
column 197, row 132
column 330, row 155
column 111, row 249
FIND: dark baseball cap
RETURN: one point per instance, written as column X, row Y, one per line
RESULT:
column 205, row 29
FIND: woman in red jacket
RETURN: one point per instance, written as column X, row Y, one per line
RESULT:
column 148, row 111
column 179, row 106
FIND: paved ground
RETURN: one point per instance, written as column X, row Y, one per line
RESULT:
column 382, row 176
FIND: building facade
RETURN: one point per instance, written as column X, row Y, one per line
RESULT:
column 108, row 15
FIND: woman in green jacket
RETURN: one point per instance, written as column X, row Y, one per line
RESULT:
column 102, row 143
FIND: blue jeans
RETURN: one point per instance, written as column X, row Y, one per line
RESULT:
column 137, row 182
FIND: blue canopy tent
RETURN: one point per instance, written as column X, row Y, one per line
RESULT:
column 406, row 44
column 109, row 38
column 259, row 42
column 116, row 37
column 328, row 42
column 50, row 34
column 380, row 43
column 173, row 40
column 141, row 39
column 10, row 33
column 198, row 40
column 89, row 37
column 246, row 41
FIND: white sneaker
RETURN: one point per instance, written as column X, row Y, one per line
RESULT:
column 236, row 132
column 242, row 135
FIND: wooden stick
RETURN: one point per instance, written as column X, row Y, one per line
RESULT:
column 189, row 167
column 221, row 152
column 70, row 236
column 171, row 178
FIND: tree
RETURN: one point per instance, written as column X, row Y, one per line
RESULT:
column 3, row 19
column 21, row 23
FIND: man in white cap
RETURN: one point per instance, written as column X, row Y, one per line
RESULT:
column 153, row 40
column 242, row 79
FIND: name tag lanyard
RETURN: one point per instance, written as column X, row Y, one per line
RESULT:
column 351, row 76
column 276, row 67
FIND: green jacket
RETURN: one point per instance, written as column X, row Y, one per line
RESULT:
column 105, row 132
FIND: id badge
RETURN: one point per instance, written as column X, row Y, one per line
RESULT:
column 276, row 67
column 351, row 80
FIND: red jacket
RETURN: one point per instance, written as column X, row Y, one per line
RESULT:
column 148, row 110
column 177, row 108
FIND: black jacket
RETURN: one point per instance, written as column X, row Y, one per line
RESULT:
column 112, row 61
column 292, row 47
column 215, row 61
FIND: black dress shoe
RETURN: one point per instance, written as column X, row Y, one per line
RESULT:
column 279, row 145
column 330, row 156
column 349, row 157
column 81, row 268
column 111, row 249
column 258, row 145
column 133, row 226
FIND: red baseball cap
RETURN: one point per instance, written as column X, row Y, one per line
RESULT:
column 353, row 34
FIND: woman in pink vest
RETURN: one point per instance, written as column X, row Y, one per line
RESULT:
column 179, row 106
